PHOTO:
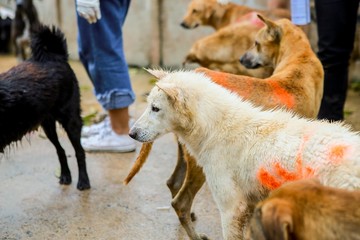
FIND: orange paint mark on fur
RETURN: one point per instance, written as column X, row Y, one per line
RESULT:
column 282, row 95
column 268, row 180
column 225, row 80
column 281, row 175
column 337, row 153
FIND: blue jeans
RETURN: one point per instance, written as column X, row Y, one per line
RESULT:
column 101, row 52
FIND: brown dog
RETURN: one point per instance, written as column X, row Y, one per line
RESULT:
column 297, row 84
column 211, row 13
column 237, row 26
column 221, row 50
column 306, row 209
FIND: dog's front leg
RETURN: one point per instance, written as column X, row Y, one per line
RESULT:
column 235, row 222
column 182, row 202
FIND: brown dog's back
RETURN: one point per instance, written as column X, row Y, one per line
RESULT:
column 307, row 210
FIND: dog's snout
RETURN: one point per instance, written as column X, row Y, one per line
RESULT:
column 184, row 25
column 133, row 134
column 242, row 59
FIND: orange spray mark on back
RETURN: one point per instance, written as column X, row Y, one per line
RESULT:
column 282, row 95
column 225, row 80
column 337, row 153
column 281, row 175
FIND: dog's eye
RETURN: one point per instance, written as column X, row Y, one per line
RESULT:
column 194, row 11
column 155, row 109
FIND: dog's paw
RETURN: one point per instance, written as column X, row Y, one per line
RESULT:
column 65, row 179
column 83, row 185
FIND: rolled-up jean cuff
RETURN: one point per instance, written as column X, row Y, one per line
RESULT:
column 116, row 99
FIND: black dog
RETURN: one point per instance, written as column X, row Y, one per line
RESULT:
column 25, row 22
column 41, row 91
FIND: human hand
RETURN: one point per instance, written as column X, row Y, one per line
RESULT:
column 89, row 9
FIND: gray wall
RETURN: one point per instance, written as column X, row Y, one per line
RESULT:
column 152, row 32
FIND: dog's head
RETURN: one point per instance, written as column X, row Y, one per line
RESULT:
column 199, row 12
column 272, row 219
column 266, row 47
column 167, row 108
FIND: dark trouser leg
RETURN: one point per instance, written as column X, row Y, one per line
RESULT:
column 336, row 29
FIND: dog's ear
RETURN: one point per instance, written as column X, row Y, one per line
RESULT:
column 171, row 91
column 272, row 28
column 276, row 219
column 157, row 73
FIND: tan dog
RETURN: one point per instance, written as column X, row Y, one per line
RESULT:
column 211, row 13
column 237, row 26
column 221, row 50
column 296, row 84
column 304, row 210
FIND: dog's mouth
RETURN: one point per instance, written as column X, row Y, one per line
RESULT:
column 186, row 26
column 252, row 66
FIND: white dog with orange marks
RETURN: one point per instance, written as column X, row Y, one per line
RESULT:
column 245, row 151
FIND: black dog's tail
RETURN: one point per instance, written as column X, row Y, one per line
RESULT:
column 48, row 44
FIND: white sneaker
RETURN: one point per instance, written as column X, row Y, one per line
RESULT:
column 99, row 128
column 108, row 142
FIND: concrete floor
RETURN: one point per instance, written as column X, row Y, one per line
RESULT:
column 34, row 206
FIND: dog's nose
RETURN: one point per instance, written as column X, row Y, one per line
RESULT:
column 242, row 59
column 184, row 25
column 133, row 135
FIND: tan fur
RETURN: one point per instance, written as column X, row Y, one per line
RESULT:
column 307, row 210
column 222, row 50
column 299, row 72
column 211, row 13
column 139, row 162
column 236, row 31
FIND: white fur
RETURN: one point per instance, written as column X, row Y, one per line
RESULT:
column 231, row 139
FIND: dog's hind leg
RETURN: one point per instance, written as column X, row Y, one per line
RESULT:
column 49, row 127
column 183, row 200
column 72, row 125
column 177, row 178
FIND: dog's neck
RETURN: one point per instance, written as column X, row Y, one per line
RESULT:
column 288, row 60
column 214, row 121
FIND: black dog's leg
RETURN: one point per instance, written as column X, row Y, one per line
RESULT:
column 50, row 131
column 72, row 125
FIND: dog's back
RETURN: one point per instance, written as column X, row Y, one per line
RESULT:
column 307, row 210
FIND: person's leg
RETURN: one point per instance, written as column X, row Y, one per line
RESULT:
column 101, row 51
column 336, row 21
column 119, row 119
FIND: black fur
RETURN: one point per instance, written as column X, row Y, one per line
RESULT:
column 41, row 91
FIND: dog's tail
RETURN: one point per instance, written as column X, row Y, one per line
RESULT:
column 48, row 44
column 140, row 160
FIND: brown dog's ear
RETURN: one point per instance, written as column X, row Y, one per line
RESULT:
column 273, row 29
column 276, row 219
column 157, row 73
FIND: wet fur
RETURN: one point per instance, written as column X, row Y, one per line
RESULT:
column 40, row 92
